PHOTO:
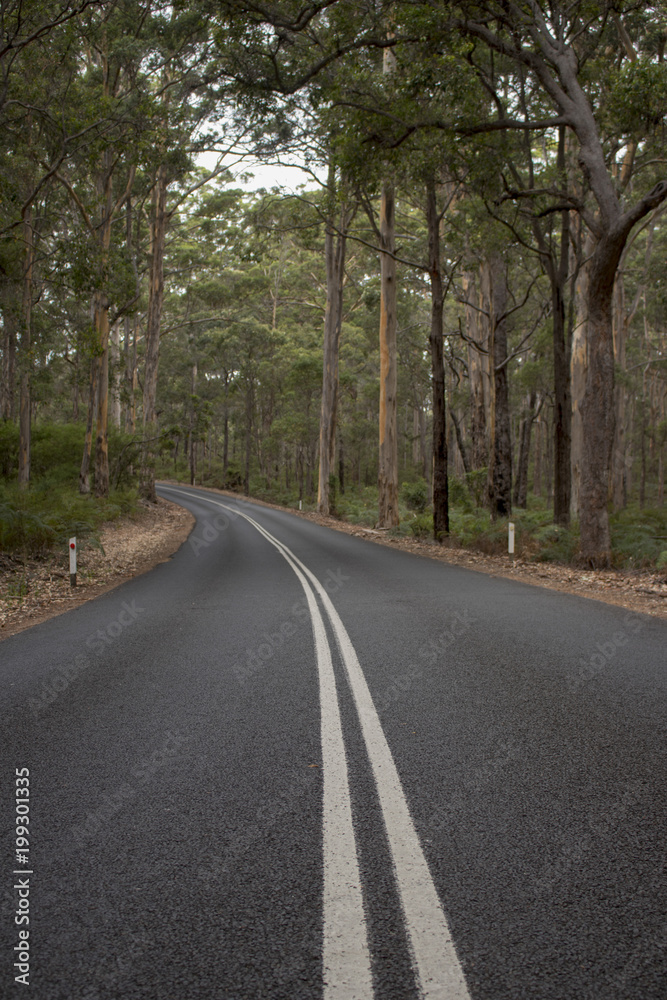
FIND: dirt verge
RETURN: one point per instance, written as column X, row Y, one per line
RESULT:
column 40, row 589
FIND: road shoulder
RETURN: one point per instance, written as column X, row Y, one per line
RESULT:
column 33, row 592
column 643, row 591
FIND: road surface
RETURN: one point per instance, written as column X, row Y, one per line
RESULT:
column 290, row 764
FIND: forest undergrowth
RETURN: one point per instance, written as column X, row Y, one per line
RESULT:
column 38, row 521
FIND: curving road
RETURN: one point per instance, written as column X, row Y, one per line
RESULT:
column 289, row 763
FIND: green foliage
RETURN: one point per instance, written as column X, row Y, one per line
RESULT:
column 638, row 536
column 638, row 98
column 459, row 496
column 415, row 495
column 37, row 521
column 422, row 526
column 476, row 482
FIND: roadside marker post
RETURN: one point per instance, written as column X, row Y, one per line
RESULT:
column 72, row 562
column 510, row 538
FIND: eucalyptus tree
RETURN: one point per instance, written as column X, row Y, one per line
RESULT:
column 556, row 45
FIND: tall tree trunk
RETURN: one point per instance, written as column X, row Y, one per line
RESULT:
column 225, row 435
column 102, row 432
column 561, row 348
column 193, row 412
column 115, row 375
column 598, row 408
column 500, row 471
column 153, row 320
column 26, row 353
column 521, row 480
column 440, row 481
column 537, row 467
column 463, row 451
column 614, row 229
column 478, row 369
column 9, row 333
column 248, row 442
column 578, row 366
column 75, row 388
column 557, row 267
column 388, row 438
column 131, row 382
column 620, row 329
column 130, row 338
column 105, row 189
column 84, row 472
column 643, row 408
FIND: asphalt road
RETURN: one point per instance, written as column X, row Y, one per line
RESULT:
column 290, row 764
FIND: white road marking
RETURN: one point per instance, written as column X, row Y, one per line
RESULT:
column 437, row 967
column 346, row 959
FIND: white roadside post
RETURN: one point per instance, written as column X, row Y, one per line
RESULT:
column 510, row 538
column 72, row 561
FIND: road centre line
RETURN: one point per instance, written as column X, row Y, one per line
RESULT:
column 345, row 959
column 437, row 967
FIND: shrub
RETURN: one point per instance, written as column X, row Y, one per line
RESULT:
column 459, row 495
column 476, row 481
column 35, row 521
column 415, row 495
column 422, row 526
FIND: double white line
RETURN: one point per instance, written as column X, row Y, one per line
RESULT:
column 346, row 957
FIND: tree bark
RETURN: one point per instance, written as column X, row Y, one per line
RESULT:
column 84, row 472
column 463, row 451
column 440, row 480
column 334, row 251
column 9, row 334
column 225, row 434
column 248, row 442
column 597, row 408
column 388, row 440
column 478, row 369
column 153, row 321
column 578, row 366
column 500, row 471
column 521, row 479
column 102, row 432
column 26, row 354
column 558, row 271
column 115, row 375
